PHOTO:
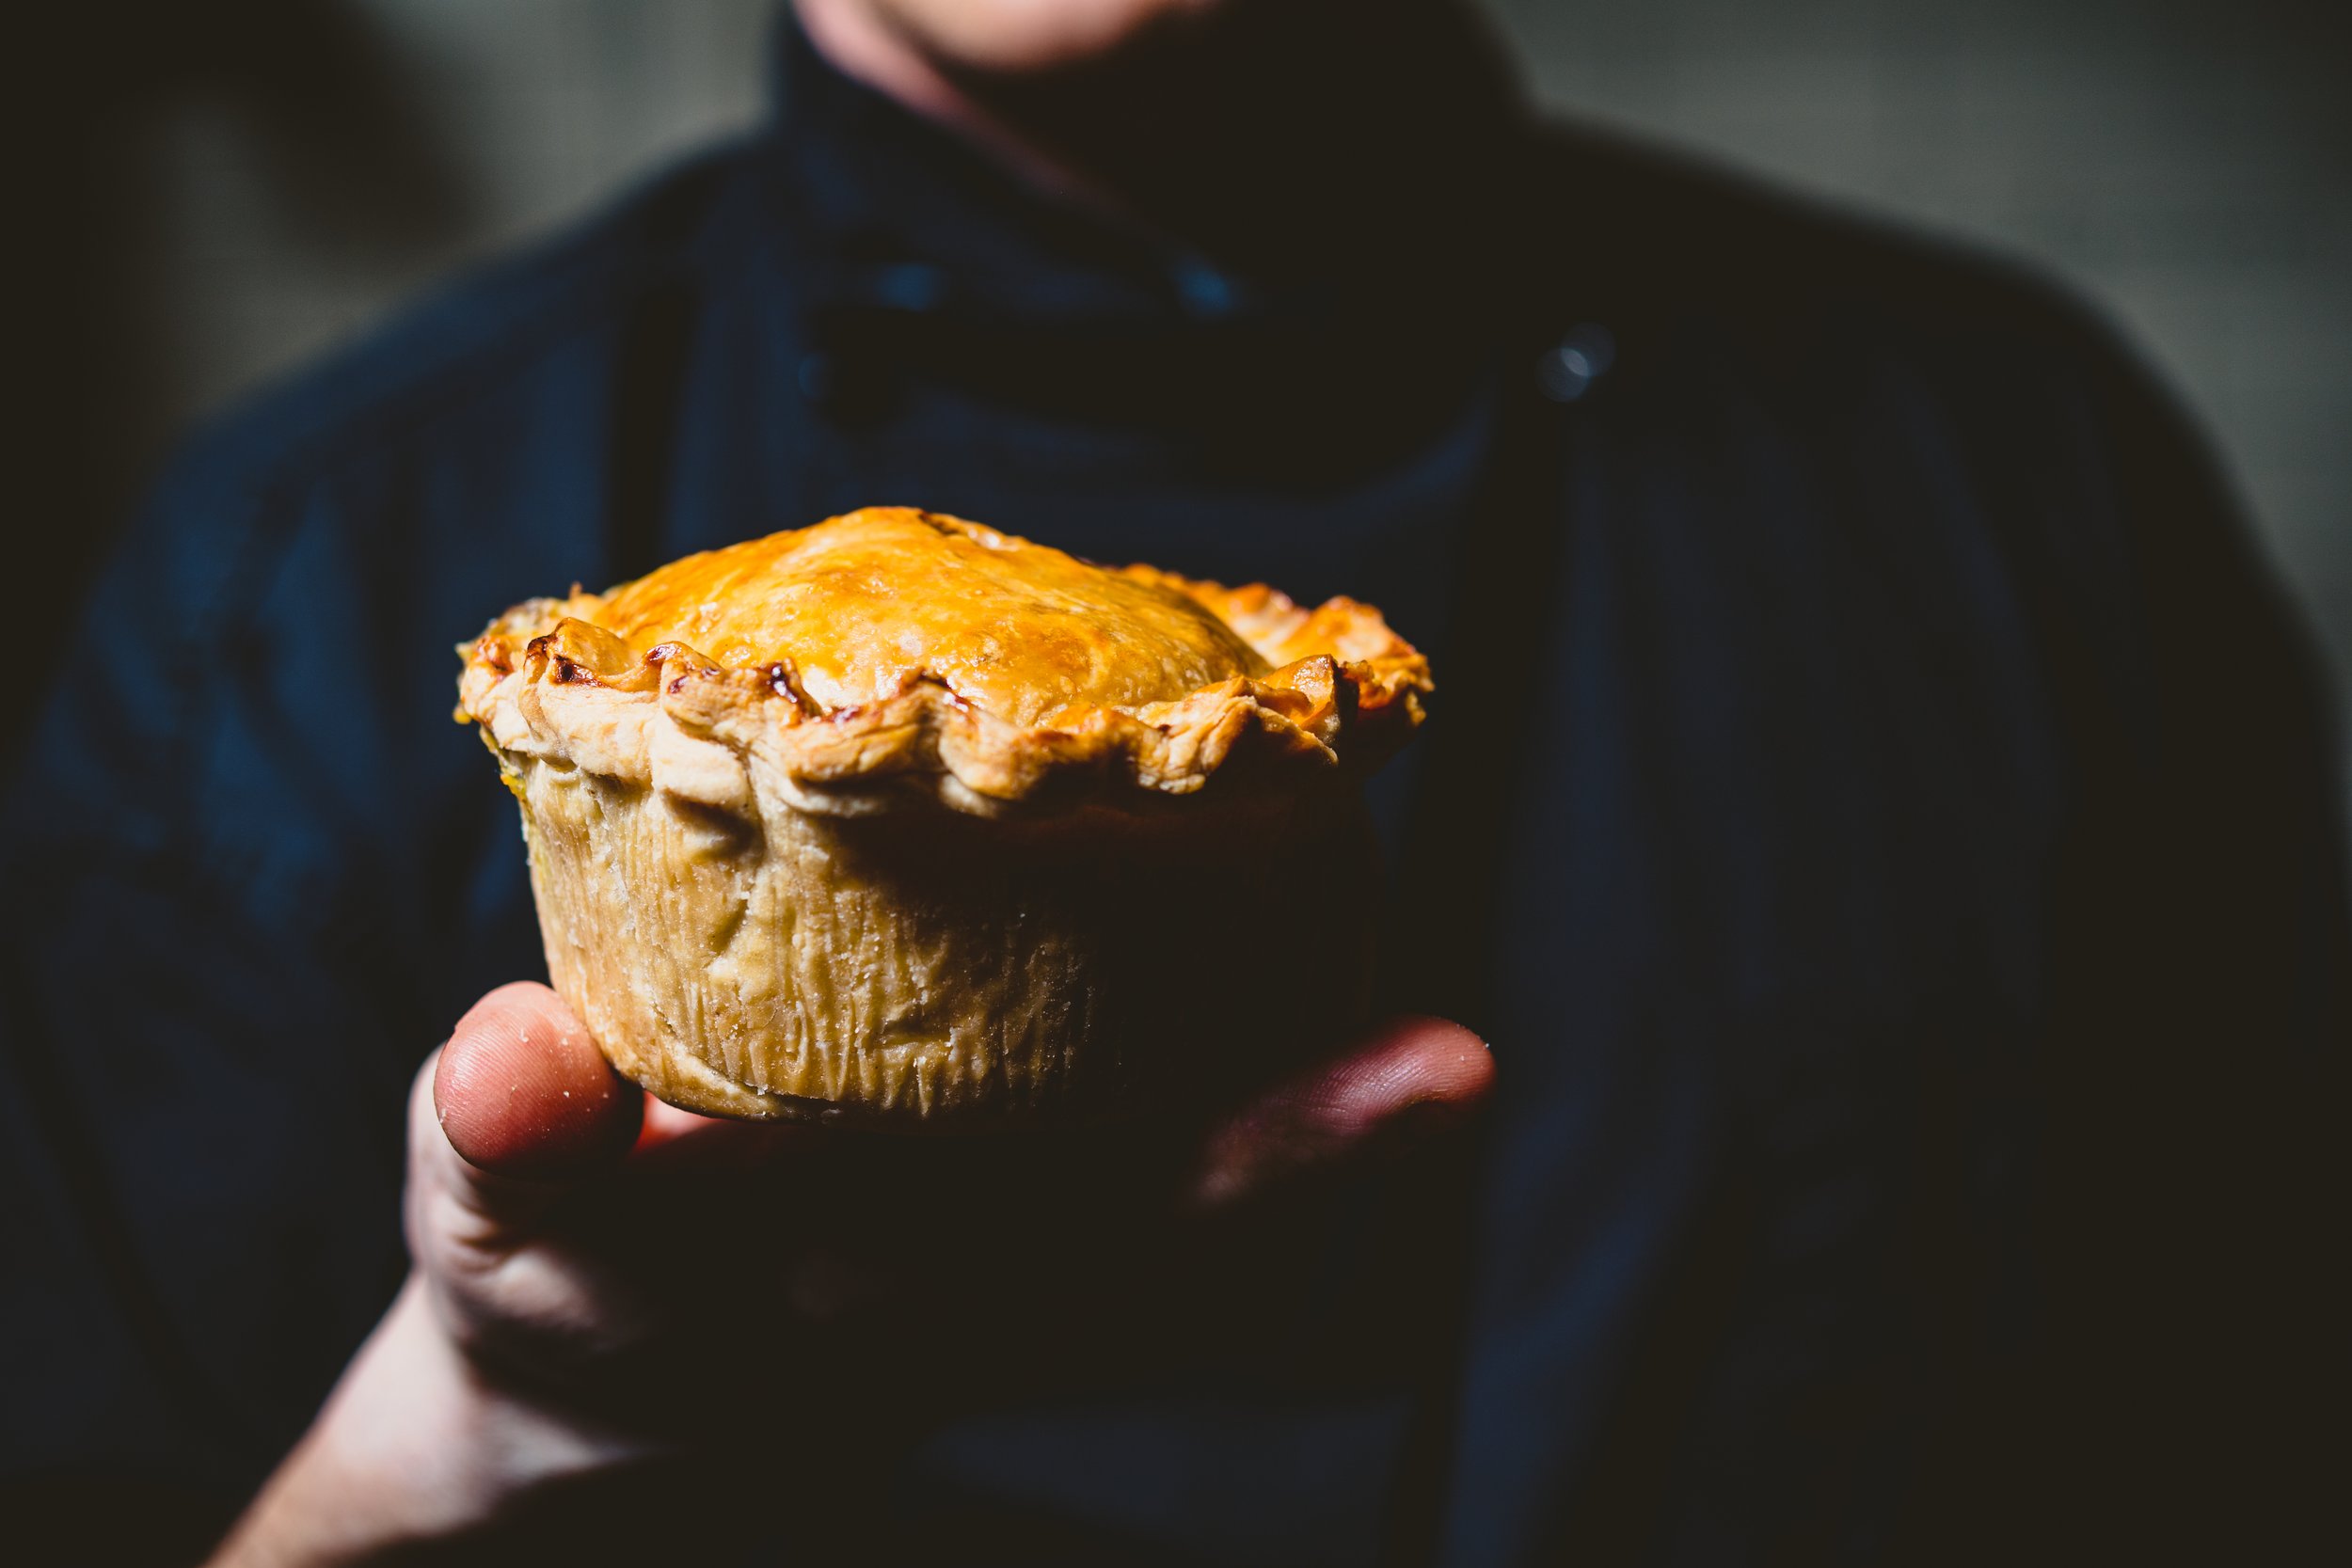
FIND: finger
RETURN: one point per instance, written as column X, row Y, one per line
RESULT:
column 1411, row 1079
column 522, row 1103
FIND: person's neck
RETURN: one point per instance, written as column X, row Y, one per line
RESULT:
column 857, row 43
column 1266, row 139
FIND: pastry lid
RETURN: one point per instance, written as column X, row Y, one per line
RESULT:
column 895, row 654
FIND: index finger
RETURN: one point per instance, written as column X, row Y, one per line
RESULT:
column 1412, row 1078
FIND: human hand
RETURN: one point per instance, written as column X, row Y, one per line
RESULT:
column 602, row 1282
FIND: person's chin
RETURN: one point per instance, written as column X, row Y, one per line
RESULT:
column 1014, row 38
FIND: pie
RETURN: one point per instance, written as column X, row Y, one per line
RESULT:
column 901, row 821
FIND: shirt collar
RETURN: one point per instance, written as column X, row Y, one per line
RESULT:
column 905, row 216
column 909, row 217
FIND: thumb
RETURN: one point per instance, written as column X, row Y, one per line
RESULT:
column 519, row 1105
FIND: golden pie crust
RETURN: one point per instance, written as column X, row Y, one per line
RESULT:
column 901, row 820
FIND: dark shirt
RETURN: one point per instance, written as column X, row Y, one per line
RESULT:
column 1875, row 807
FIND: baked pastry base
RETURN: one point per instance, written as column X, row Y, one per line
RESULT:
column 933, row 970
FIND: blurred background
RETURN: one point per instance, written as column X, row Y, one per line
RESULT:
column 241, row 185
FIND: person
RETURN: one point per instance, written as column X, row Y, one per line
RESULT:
column 1875, row 806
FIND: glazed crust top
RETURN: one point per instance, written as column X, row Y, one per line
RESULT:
column 865, row 603
column 894, row 652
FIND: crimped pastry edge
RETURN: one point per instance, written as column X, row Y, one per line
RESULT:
column 544, row 680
